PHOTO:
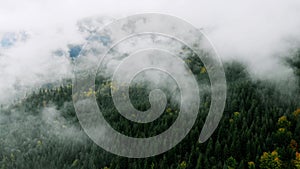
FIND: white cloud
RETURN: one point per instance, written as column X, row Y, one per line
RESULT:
column 256, row 32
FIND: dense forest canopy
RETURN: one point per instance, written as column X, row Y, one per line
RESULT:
column 260, row 128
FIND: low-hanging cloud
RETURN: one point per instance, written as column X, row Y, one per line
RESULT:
column 254, row 32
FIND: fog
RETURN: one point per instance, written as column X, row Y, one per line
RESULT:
column 257, row 33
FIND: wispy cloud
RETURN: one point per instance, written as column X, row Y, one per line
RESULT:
column 255, row 32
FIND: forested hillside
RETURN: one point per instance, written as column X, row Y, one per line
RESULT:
column 260, row 128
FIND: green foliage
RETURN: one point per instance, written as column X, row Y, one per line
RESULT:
column 251, row 165
column 270, row 161
column 231, row 163
column 182, row 165
column 256, row 120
